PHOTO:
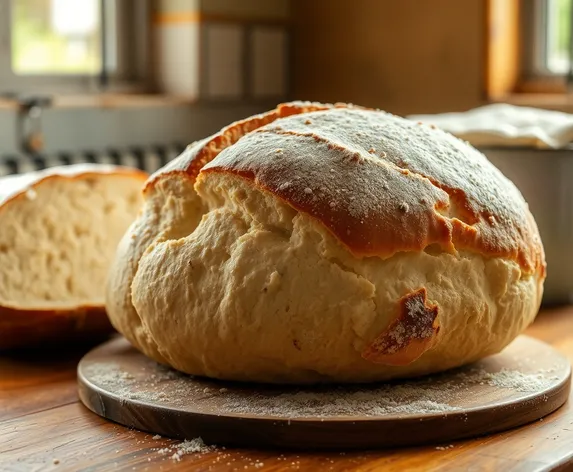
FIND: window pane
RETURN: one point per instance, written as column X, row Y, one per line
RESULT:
column 558, row 18
column 56, row 36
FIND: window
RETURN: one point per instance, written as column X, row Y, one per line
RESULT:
column 556, row 30
column 528, row 52
column 72, row 45
column 56, row 37
column 546, row 37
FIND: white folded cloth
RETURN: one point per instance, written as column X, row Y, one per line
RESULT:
column 502, row 124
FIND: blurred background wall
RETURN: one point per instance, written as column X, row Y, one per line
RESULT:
column 185, row 68
column 204, row 64
column 407, row 56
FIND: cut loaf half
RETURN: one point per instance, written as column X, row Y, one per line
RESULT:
column 59, row 229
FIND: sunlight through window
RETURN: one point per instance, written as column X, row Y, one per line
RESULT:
column 56, row 37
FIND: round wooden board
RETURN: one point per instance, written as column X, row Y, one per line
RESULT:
column 527, row 381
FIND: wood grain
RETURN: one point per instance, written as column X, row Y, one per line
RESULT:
column 120, row 384
column 35, row 380
column 82, row 441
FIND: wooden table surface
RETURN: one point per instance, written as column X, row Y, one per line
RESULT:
column 43, row 426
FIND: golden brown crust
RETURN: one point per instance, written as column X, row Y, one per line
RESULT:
column 202, row 152
column 26, row 328
column 411, row 333
column 381, row 184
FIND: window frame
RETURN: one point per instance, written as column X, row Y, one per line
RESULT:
column 534, row 38
column 514, row 64
column 534, row 25
column 536, row 78
column 129, row 36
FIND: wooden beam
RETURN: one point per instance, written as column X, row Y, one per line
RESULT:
column 503, row 44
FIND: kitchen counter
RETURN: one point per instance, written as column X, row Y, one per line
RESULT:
column 43, row 426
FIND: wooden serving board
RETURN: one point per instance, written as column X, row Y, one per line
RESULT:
column 527, row 381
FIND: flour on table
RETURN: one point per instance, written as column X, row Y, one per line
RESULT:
column 444, row 448
column 189, row 446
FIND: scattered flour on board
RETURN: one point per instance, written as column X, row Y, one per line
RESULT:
column 414, row 397
column 434, row 395
column 517, row 380
column 377, row 402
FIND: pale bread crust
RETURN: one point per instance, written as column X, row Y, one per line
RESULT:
column 167, row 212
column 409, row 220
column 260, row 292
column 25, row 323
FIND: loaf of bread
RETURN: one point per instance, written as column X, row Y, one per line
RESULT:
column 326, row 243
column 59, row 229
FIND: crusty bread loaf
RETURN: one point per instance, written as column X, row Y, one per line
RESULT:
column 327, row 243
column 59, row 231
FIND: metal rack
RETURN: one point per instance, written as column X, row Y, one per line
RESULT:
column 149, row 159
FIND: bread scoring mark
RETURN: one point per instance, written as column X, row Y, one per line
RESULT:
column 459, row 206
column 202, row 152
column 353, row 155
column 409, row 335
column 373, row 208
column 456, row 207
